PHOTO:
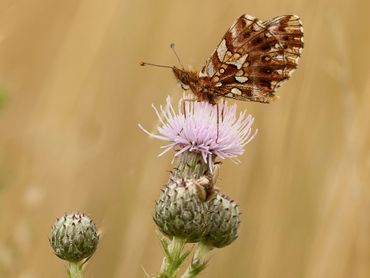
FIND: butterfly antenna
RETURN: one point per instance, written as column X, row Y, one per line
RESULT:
column 172, row 45
column 154, row 65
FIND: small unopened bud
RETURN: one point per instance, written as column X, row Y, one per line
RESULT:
column 223, row 222
column 74, row 237
column 180, row 210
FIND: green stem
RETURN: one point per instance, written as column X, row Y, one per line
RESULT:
column 174, row 257
column 75, row 270
column 198, row 262
column 202, row 251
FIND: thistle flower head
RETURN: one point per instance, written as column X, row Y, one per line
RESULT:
column 74, row 237
column 211, row 130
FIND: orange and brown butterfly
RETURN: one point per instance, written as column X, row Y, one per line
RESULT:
column 252, row 60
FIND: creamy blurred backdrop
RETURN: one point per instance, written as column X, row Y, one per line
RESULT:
column 72, row 93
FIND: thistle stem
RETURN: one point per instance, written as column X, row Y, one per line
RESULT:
column 202, row 251
column 75, row 270
column 174, row 257
column 198, row 262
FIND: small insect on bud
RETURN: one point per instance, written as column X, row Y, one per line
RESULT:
column 205, row 188
column 223, row 222
column 180, row 211
column 74, row 237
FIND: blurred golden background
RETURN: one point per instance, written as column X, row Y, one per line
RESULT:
column 72, row 93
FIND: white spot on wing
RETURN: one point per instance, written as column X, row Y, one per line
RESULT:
column 210, row 69
column 241, row 79
column 240, row 62
column 221, row 50
column 215, row 78
column 240, row 73
column 236, row 91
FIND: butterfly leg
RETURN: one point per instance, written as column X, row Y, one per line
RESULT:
column 183, row 101
column 184, row 108
column 218, row 122
column 222, row 112
column 184, row 112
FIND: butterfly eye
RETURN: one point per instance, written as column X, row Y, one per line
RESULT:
column 185, row 78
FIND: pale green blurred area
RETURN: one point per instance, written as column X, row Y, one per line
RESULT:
column 69, row 139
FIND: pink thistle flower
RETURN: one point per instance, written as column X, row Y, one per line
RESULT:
column 195, row 127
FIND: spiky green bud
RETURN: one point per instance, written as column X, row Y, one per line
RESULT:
column 74, row 237
column 223, row 222
column 181, row 211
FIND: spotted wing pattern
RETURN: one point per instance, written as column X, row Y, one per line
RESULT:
column 255, row 57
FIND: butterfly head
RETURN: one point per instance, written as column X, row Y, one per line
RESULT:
column 186, row 77
column 182, row 75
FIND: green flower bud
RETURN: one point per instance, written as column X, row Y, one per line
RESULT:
column 181, row 211
column 223, row 222
column 74, row 237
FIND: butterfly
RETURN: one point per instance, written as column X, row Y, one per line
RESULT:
column 250, row 63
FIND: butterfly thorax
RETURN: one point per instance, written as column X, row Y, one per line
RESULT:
column 200, row 86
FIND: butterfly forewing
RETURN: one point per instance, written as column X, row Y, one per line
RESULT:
column 255, row 57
